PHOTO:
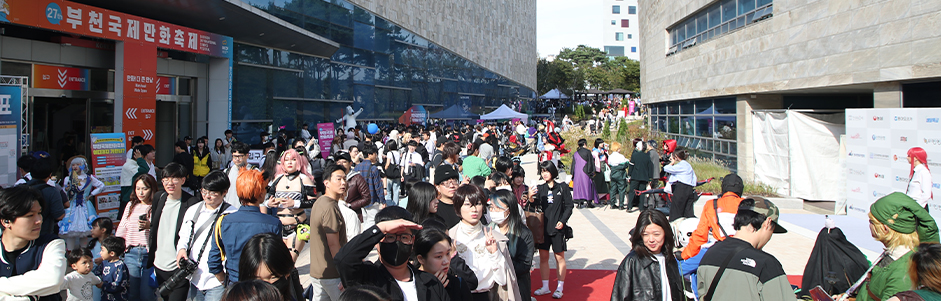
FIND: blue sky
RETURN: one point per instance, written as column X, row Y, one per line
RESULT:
column 568, row 23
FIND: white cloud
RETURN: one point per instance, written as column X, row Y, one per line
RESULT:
column 568, row 23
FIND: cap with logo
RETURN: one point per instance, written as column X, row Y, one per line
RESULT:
column 764, row 207
column 445, row 172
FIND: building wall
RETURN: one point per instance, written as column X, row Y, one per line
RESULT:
column 631, row 33
column 498, row 35
column 806, row 44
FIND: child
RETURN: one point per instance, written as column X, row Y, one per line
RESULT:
column 112, row 271
column 81, row 186
column 80, row 281
column 101, row 228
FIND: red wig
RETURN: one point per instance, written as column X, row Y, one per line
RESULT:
column 919, row 154
column 250, row 186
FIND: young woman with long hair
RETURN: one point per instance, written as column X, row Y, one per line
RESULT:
column 135, row 228
column 81, row 186
column 221, row 155
column 423, row 202
column 651, row 259
column 291, row 188
column 505, row 216
column 265, row 258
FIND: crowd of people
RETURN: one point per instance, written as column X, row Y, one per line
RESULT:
column 446, row 208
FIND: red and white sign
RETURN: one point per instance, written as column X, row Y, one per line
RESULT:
column 64, row 78
column 164, row 85
column 140, row 90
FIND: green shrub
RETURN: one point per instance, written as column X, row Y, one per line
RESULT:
column 606, row 130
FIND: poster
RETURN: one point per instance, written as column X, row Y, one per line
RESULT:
column 256, row 157
column 108, row 156
column 325, row 135
column 10, row 104
column 414, row 115
column 877, row 144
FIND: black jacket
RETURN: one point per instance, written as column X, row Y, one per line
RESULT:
column 461, row 280
column 642, row 167
column 522, row 257
column 561, row 208
column 354, row 271
column 160, row 199
column 638, row 278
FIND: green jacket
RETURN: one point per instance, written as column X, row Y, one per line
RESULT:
column 619, row 172
column 887, row 280
column 475, row 166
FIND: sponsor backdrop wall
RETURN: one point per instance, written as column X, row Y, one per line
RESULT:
column 877, row 141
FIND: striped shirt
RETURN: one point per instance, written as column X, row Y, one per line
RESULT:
column 129, row 227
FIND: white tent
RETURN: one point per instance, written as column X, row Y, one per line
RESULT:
column 504, row 112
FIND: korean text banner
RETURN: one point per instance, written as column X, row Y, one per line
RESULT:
column 877, row 143
column 71, row 17
column 65, row 78
column 325, row 135
column 108, row 156
column 11, row 98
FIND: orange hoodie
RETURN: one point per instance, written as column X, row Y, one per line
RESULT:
column 728, row 204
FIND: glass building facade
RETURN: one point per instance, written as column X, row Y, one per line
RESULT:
column 706, row 127
column 380, row 67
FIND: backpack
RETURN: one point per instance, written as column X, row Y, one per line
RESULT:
column 394, row 171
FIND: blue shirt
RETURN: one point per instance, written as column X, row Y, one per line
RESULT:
column 681, row 172
column 373, row 180
column 236, row 229
column 114, row 276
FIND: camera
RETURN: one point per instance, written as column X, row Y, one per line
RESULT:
column 186, row 269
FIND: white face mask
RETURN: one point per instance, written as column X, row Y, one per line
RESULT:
column 497, row 218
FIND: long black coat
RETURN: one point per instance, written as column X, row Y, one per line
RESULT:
column 638, row 278
column 642, row 168
column 156, row 211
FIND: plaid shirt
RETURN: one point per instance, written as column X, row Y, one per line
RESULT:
column 373, row 180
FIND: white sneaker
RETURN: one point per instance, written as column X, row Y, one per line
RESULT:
column 542, row 291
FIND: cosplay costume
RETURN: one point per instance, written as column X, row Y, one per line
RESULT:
column 80, row 188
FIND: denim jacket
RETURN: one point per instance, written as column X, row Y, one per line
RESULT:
column 235, row 230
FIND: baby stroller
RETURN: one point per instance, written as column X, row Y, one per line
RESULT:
column 660, row 199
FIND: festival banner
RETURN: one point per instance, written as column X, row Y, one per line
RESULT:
column 11, row 98
column 108, row 156
column 325, row 135
column 86, row 20
column 877, row 143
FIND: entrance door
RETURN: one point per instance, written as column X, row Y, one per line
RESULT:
column 60, row 127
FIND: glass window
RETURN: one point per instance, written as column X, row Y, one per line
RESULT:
column 629, row 36
column 686, row 107
column 615, row 9
column 619, row 36
column 661, row 124
column 728, row 10
column 763, row 3
column 673, row 108
column 725, row 106
column 726, row 127
column 702, row 23
column 745, row 6
column 632, row 10
column 625, row 23
column 704, row 107
column 614, row 22
column 673, row 124
column 704, row 126
column 687, row 126
column 633, row 49
column 715, row 15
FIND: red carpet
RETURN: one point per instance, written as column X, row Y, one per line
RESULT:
column 593, row 284
column 579, row 284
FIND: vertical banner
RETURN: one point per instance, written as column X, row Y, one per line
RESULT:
column 325, row 138
column 108, row 156
column 11, row 98
column 140, row 91
column 877, row 144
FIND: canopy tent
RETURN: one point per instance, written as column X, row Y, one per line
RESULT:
column 504, row 112
column 554, row 94
column 455, row 112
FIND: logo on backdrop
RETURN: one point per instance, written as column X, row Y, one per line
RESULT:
column 857, row 136
column 932, row 141
column 936, row 185
column 901, row 179
column 903, row 139
column 878, row 156
column 877, row 194
column 857, row 190
column 878, row 176
column 878, row 138
column 932, row 120
column 876, row 118
column 854, row 117
column 857, row 155
column 904, row 118
column 855, row 172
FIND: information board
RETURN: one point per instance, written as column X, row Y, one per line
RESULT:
column 107, row 159
column 11, row 98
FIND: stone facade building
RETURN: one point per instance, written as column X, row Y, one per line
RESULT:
column 735, row 56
